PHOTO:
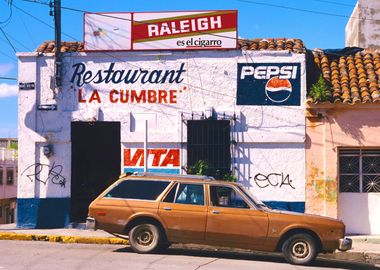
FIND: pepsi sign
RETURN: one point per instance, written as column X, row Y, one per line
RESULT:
column 269, row 84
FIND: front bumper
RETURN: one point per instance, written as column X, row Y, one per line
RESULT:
column 345, row 244
column 90, row 223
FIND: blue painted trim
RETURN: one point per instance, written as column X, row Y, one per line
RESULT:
column 288, row 206
column 43, row 213
column 160, row 170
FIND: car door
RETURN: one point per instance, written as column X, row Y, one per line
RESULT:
column 184, row 212
column 232, row 221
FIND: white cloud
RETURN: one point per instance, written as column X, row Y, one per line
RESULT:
column 8, row 90
column 5, row 68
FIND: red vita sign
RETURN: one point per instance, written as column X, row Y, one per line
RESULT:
column 158, row 157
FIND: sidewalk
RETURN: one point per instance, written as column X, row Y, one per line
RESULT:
column 365, row 248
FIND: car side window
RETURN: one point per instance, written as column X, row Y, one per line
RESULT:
column 138, row 189
column 223, row 196
column 190, row 194
column 171, row 195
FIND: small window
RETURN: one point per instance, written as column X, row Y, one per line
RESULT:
column 359, row 170
column 10, row 176
column 138, row 189
column 1, row 211
column 171, row 195
column 1, row 176
column 190, row 194
column 226, row 197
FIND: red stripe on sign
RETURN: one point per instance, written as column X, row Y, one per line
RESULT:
column 177, row 27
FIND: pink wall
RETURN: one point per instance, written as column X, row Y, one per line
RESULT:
column 340, row 126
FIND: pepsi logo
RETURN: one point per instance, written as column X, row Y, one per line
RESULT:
column 278, row 90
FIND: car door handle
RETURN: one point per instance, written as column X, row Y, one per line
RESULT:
column 215, row 211
column 167, row 208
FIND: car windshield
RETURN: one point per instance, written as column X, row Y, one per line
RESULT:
column 252, row 197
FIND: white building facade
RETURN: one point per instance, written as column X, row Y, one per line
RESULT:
column 244, row 106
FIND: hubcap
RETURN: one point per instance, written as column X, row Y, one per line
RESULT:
column 300, row 249
column 144, row 237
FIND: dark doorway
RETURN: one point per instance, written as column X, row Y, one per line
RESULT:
column 95, row 163
column 209, row 140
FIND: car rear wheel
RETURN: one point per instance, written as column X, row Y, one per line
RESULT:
column 299, row 249
column 145, row 238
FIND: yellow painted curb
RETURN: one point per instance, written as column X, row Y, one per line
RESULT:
column 63, row 239
column 118, row 241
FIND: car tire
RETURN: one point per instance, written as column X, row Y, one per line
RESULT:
column 145, row 238
column 299, row 249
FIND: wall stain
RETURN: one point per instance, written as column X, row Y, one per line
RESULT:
column 323, row 188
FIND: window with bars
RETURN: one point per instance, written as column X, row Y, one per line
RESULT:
column 210, row 141
column 359, row 170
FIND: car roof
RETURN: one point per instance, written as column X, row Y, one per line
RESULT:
column 180, row 177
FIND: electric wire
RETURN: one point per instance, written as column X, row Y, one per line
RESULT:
column 124, row 19
column 10, row 57
column 243, row 1
column 27, row 29
column 9, row 42
column 335, row 3
column 8, row 78
column 8, row 19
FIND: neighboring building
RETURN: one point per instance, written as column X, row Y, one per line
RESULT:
column 228, row 107
column 342, row 143
column 8, row 180
column 363, row 28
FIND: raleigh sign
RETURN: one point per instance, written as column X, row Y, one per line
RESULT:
column 195, row 30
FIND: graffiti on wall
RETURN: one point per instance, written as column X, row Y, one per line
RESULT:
column 44, row 173
column 279, row 180
column 324, row 188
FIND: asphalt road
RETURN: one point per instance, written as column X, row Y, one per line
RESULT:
column 55, row 256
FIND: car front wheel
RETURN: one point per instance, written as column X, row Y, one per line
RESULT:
column 145, row 238
column 299, row 249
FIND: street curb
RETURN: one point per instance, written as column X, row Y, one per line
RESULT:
column 366, row 257
column 63, row 239
column 362, row 256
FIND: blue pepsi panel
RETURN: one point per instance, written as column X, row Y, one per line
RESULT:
column 274, row 84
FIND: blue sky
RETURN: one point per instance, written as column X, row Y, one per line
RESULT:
column 271, row 18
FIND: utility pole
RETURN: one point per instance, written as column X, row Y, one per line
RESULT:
column 56, row 5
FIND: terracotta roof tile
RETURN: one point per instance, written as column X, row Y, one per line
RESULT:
column 67, row 46
column 353, row 78
column 272, row 44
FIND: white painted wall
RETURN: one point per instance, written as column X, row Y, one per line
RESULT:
column 269, row 138
column 360, row 212
column 363, row 28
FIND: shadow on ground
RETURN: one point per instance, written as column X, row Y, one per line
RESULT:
column 257, row 256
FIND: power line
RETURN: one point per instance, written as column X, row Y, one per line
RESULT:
column 9, row 42
column 10, row 57
column 7, row 20
column 294, row 9
column 124, row 19
column 27, row 29
column 335, row 3
column 8, row 78
column 305, row 10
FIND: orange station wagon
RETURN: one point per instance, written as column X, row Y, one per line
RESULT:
column 156, row 210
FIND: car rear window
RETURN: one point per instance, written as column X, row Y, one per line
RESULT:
column 138, row 189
